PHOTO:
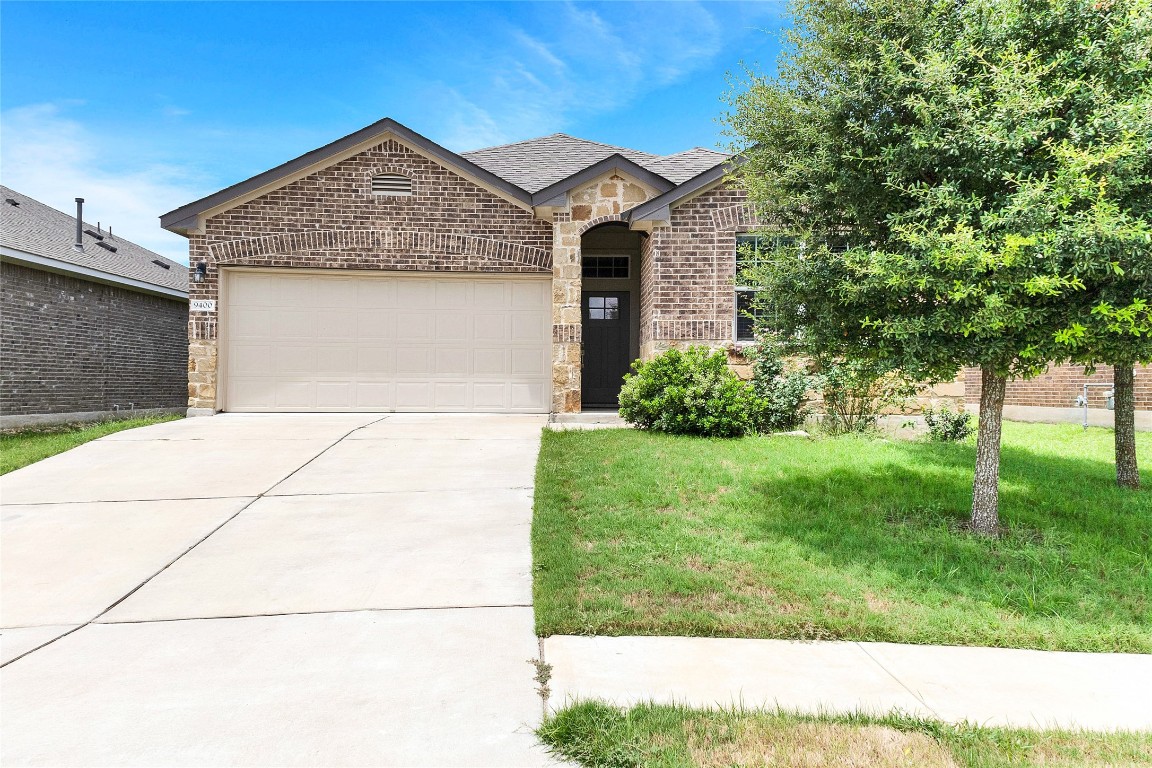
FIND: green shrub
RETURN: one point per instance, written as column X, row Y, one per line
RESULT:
column 781, row 389
column 689, row 392
column 946, row 425
column 856, row 393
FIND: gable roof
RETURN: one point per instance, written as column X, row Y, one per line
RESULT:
column 658, row 208
column 33, row 229
column 683, row 166
column 538, row 163
column 185, row 217
column 531, row 172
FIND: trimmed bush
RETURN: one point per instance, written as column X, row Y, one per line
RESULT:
column 781, row 389
column 947, row 425
column 689, row 392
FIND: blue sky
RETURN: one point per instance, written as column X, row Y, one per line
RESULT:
column 143, row 106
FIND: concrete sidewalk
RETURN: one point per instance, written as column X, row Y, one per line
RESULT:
column 984, row 686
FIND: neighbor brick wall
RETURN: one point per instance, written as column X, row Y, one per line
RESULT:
column 69, row 345
column 1059, row 386
column 688, row 269
column 331, row 220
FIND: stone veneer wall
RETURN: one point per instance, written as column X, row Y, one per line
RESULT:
column 1060, row 385
column 601, row 201
column 330, row 219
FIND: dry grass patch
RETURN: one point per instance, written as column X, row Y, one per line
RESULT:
column 816, row 745
column 657, row 736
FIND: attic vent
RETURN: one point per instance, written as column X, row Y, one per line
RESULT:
column 12, row 201
column 94, row 234
column 106, row 246
column 159, row 263
column 391, row 184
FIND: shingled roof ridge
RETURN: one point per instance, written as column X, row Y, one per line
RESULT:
column 559, row 134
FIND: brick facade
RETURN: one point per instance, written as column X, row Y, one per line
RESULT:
column 1059, row 387
column 688, row 273
column 331, row 220
column 69, row 345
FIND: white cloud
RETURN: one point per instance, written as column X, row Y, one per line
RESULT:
column 53, row 158
column 585, row 61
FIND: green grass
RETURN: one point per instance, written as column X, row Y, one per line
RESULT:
column 851, row 538
column 19, row 449
column 595, row 734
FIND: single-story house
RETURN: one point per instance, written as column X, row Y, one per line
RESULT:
column 384, row 272
column 93, row 325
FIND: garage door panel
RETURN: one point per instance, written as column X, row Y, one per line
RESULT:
column 378, row 324
column 527, row 327
column 295, row 360
column 335, row 293
column 488, row 327
column 529, row 295
column 295, row 290
column 452, row 325
column 527, row 361
column 490, row 362
column 452, row 295
column 336, row 360
column 453, row 362
column 416, row 294
column 413, row 361
column 251, row 323
column 249, row 359
column 335, row 394
column 414, row 395
column 375, row 395
column 294, row 394
column 309, row 341
column 375, row 362
column 293, row 323
column 415, row 325
column 490, row 295
column 528, row 395
column 336, row 325
column 376, row 294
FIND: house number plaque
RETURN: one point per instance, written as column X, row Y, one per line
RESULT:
column 203, row 305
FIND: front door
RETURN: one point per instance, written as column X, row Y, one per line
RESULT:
column 606, row 342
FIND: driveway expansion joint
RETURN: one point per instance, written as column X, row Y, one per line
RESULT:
column 197, row 543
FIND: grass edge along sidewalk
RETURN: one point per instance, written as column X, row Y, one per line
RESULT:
column 19, row 448
column 665, row 736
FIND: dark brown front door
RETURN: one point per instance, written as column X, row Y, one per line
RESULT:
column 605, row 347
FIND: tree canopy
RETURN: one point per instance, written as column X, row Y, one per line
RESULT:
column 970, row 183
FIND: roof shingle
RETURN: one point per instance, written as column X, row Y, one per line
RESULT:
column 35, row 228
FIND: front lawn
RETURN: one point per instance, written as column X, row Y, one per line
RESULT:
column 851, row 538
column 21, row 448
column 595, row 734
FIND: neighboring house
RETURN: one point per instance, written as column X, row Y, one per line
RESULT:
column 91, row 325
column 384, row 272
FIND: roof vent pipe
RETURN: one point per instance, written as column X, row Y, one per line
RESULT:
column 79, row 244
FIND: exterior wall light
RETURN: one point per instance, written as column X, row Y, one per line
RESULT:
column 201, row 272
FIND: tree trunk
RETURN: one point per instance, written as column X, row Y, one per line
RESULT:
column 986, row 485
column 1127, row 473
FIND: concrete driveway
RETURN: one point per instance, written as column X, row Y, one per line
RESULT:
column 328, row 590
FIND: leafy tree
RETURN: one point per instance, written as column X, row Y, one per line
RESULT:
column 908, row 146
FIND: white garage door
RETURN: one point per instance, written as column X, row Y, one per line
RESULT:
column 388, row 342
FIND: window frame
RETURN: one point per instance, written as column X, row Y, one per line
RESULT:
column 742, row 238
column 585, row 258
